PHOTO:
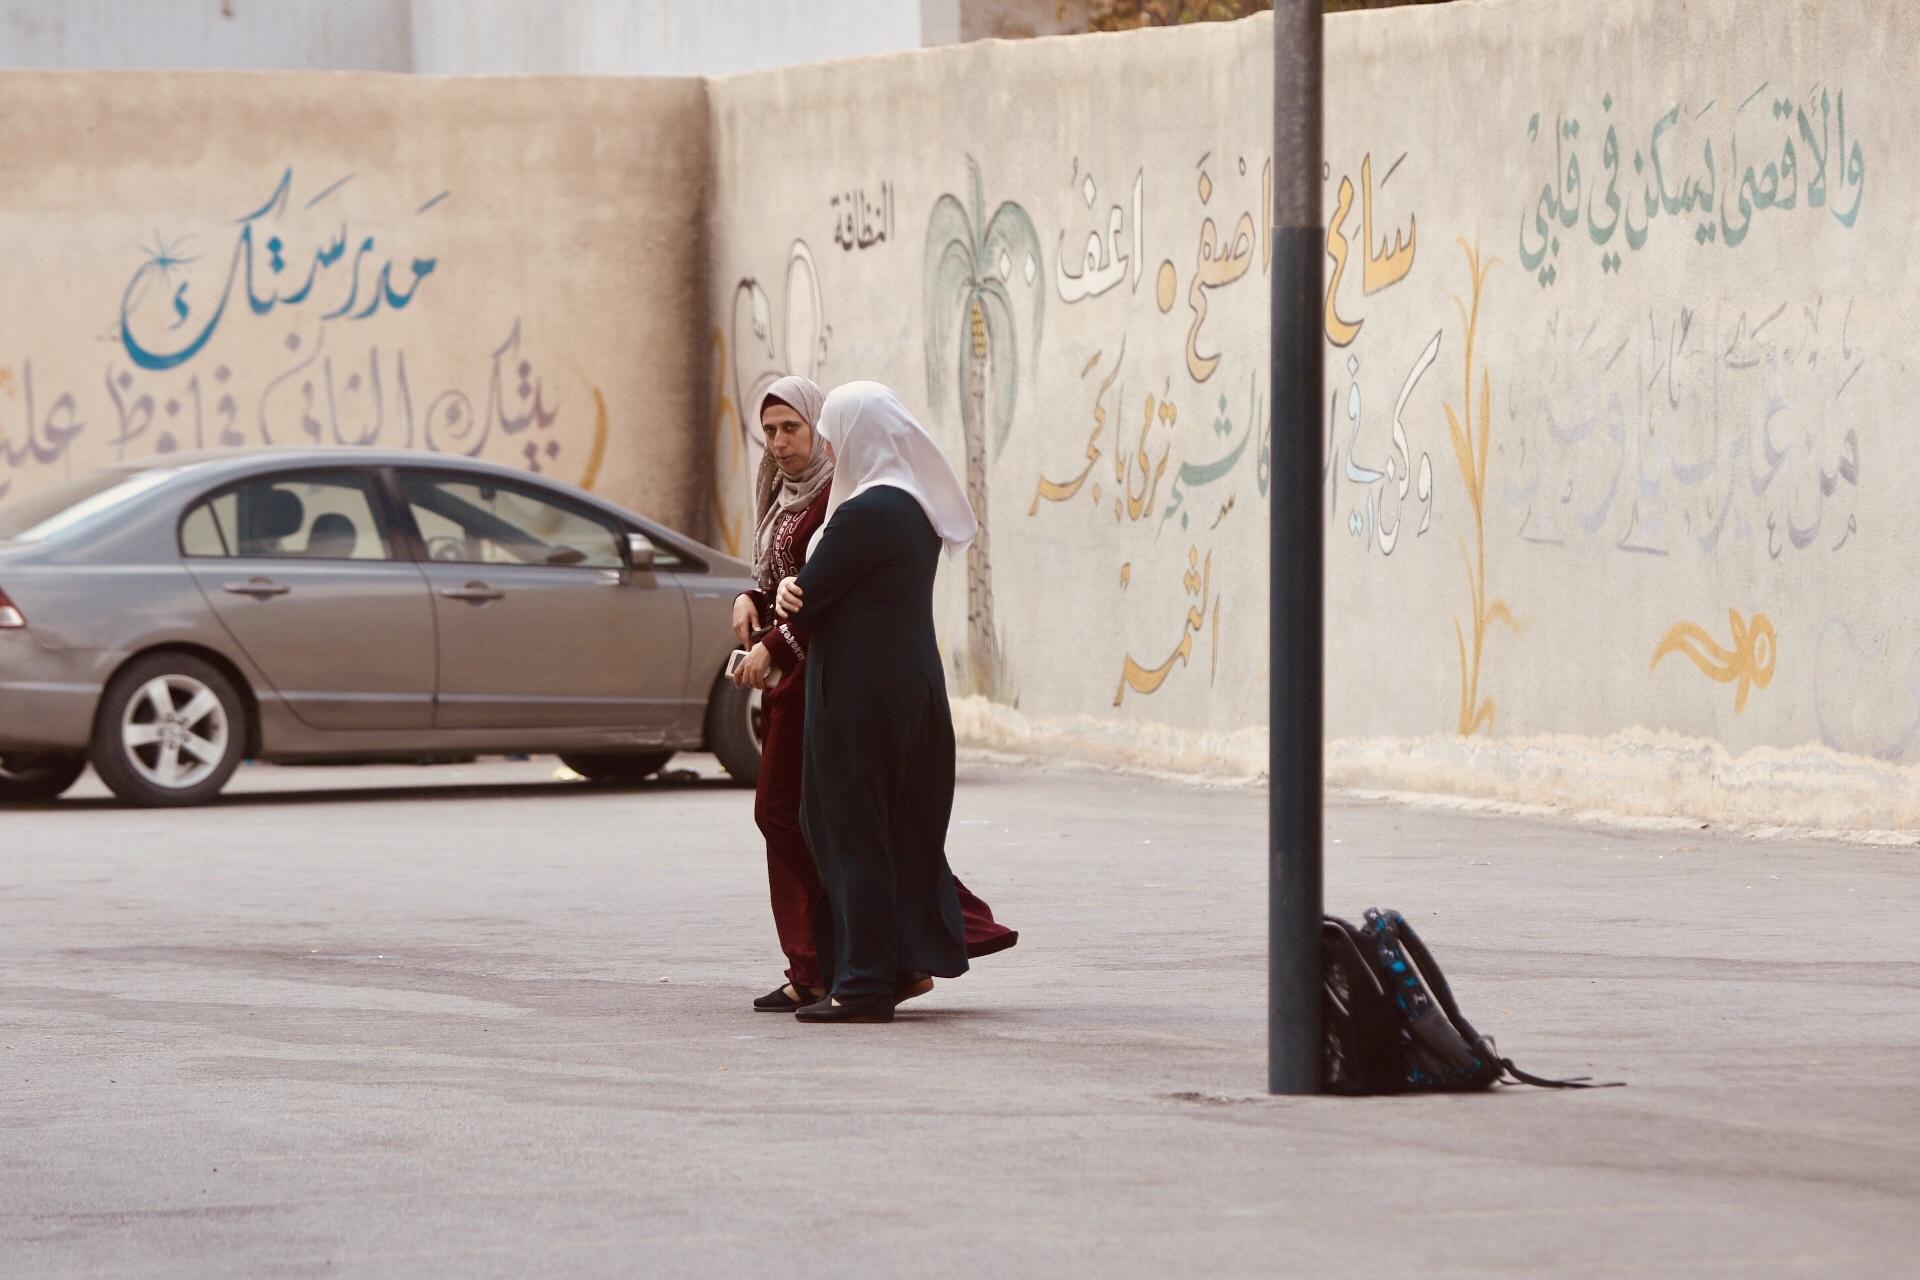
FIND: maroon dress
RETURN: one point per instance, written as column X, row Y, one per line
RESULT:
column 798, row 903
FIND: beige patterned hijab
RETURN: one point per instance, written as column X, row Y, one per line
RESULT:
column 776, row 494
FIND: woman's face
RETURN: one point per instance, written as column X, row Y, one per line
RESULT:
column 789, row 438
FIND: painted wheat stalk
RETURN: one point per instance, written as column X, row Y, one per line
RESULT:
column 1471, row 439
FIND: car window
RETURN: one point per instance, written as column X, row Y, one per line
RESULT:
column 201, row 533
column 305, row 517
column 487, row 522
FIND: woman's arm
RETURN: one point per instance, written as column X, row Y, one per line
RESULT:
column 851, row 546
column 785, row 639
column 750, row 609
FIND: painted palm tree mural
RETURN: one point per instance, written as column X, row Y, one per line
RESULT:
column 975, row 264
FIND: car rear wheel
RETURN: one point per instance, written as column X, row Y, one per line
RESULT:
column 170, row 732
column 25, row 778
column 613, row 769
column 736, row 725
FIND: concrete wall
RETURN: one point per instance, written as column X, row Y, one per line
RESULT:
column 500, row 267
column 1619, row 311
column 1618, row 323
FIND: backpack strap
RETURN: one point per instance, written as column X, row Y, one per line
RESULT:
column 1572, row 1082
column 1443, row 994
column 1430, row 972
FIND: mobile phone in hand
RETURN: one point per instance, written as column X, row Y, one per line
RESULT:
column 734, row 660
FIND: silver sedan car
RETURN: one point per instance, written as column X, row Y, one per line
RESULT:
column 168, row 619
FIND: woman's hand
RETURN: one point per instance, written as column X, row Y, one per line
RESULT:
column 790, row 599
column 755, row 668
column 746, row 619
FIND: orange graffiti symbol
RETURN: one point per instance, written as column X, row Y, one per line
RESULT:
column 598, row 454
column 1748, row 664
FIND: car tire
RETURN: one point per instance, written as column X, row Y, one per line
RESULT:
column 25, row 779
column 734, row 728
column 615, row 769
column 169, row 733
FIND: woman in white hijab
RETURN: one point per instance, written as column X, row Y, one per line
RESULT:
column 791, row 504
column 877, row 789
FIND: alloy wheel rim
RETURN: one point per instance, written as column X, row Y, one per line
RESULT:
column 175, row 732
column 757, row 718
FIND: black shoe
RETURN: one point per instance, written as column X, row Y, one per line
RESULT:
column 778, row 1001
column 860, row 1011
column 993, row 946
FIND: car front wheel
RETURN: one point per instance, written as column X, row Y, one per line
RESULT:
column 170, row 732
column 27, row 778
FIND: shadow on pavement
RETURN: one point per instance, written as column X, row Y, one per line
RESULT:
column 552, row 791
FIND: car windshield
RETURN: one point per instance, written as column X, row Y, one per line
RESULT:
column 41, row 516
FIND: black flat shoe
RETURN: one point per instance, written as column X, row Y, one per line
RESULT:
column 778, row 1001
column 993, row 946
column 828, row 1011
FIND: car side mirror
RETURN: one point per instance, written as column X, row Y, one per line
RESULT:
column 640, row 551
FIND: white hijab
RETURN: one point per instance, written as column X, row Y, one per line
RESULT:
column 877, row 442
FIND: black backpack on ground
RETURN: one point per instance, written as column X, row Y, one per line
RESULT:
column 1390, row 1022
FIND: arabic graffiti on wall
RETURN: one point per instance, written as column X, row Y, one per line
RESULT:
column 1382, row 264
column 166, row 321
column 1106, row 260
column 196, row 367
column 1746, row 663
column 1138, row 455
column 1799, row 158
column 1165, row 461
column 860, row 223
column 1866, row 688
column 1692, row 428
column 364, row 398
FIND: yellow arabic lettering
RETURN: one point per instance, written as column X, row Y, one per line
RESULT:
column 1382, row 269
column 1339, row 332
column 1141, row 504
column 1060, row 491
column 1266, row 215
column 1215, row 268
column 1145, row 680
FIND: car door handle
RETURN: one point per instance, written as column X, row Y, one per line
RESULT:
column 259, row 588
column 478, row 592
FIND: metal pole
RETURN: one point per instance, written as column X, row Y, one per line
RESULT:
column 1297, row 526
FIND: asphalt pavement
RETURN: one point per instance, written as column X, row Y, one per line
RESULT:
column 474, row 1021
